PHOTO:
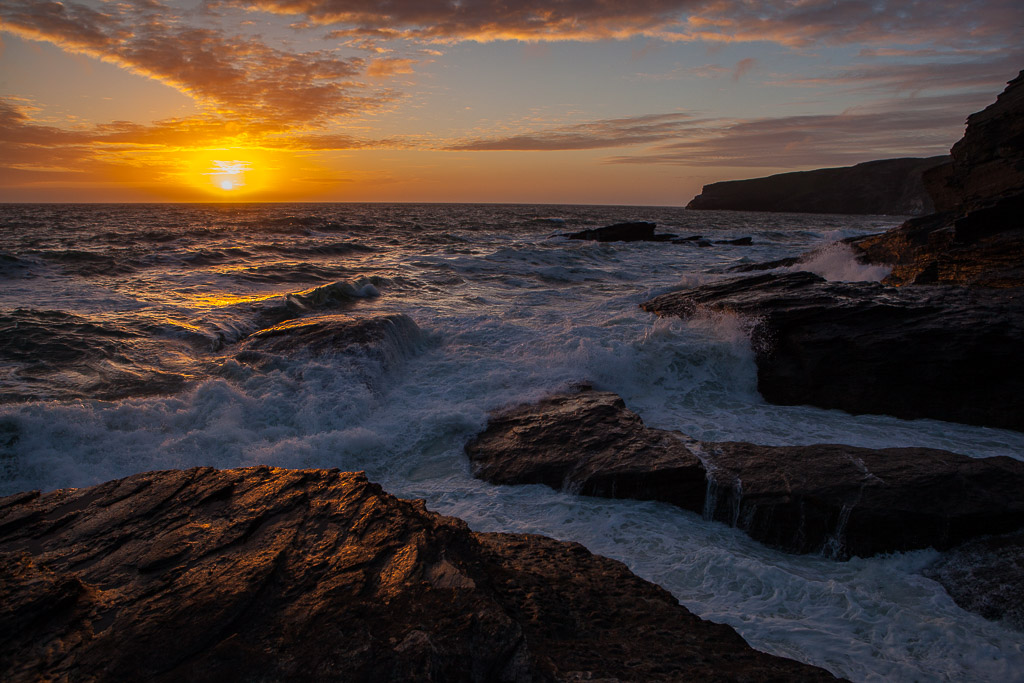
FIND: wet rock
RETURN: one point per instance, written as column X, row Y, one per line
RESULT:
column 888, row 186
column 986, row 576
column 382, row 334
column 835, row 499
column 767, row 265
column 622, row 232
column 269, row 574
column 947, row 353
column 588, row 442
column 739, row 242
column 977, row 236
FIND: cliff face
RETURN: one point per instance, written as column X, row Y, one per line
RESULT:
column 988, row 162
column 977, row 238
column 889, row 186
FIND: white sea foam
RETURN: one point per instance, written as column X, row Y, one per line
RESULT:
column 837, row 261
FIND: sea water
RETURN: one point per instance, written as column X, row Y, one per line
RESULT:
column 119, row 331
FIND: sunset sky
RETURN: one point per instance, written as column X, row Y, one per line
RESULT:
column 565, row 101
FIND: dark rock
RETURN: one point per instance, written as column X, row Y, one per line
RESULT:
column 767, row 265
column 947, row 353
column 836, row 499
column 691, row 238
column 588, row 443
column 977, row 239
column 383, row 334
column 986, row 576
column 622, row 232
column 269, row 574
column 740, row 242
column 889, row 186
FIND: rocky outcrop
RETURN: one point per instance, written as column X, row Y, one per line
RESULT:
column 270, row 574
column 977, row 239
column 947, row 353
column 835, row 499
column 986, row 576
column 889, row 186
column 622, row 232
column 379, row 335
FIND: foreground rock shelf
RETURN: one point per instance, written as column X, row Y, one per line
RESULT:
column 271, row 574
column 835, row 499
column 941, row 352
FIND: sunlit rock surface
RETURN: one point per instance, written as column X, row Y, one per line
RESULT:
column 272, row 574
column 835, row 499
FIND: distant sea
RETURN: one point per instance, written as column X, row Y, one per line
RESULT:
column 121, row 337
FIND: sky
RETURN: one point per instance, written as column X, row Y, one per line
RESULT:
column 565, row 102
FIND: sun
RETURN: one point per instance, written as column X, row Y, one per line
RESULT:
column 230, row 173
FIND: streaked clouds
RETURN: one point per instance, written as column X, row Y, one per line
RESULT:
column 309, row 76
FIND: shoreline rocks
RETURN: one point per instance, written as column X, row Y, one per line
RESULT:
column 940, row 352
column 835, row 499
column 269, row 574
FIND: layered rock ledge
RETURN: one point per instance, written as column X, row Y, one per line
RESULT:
column 829, row 498
column 271, row 574
column 941, row 352
column 977, row 236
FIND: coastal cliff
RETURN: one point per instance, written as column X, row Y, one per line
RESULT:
column 977, row 237
column 888, row 186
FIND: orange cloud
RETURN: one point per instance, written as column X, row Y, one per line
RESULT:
column 384, row 67
column 795, row 24
column 231, row 75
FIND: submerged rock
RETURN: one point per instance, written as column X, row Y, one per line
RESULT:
column 947, row 353
column 835, row 499
column 986, row 576
column 269, row 574
column 622, row 232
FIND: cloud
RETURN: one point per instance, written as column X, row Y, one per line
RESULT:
column 603, row 134
column 904, row 127
column 233, row 76
column 915, row 126
column 390, row 66
column 795, row 24
column 743, row 67
column 989, row 72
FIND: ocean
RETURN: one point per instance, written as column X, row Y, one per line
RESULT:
column 122, row 350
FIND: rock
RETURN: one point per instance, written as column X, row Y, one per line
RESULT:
column 986, row 576
column 740, row 242
column 385, row 335
column 889, row 186
column 622, row 232
column 834, row 499
column 787, row 262
column 588, row 443
column 946, row 353
column 977, row 238
column 269, row 574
